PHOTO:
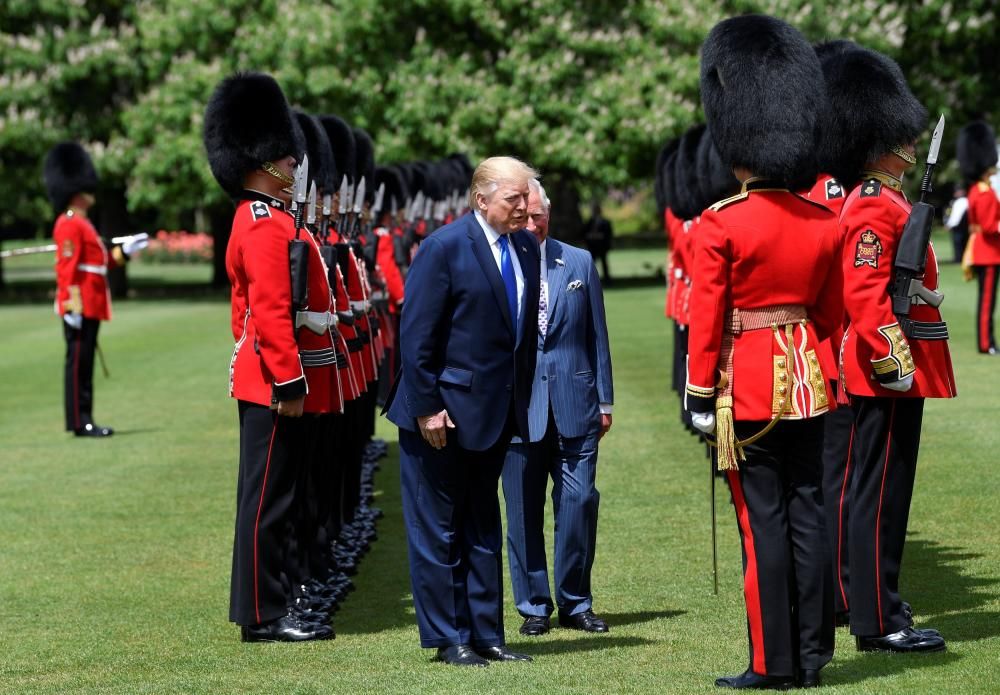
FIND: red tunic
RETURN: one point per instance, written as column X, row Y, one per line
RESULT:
column 871, row 224
column 759, row 250
column 386, row 259
column 267, row 363
column 82, row 263
column 984, row 225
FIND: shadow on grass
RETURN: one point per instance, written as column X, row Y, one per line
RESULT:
column 637, row 617
column 590, row 643
column 136, row 430
column 876, row 665
column 944, row 595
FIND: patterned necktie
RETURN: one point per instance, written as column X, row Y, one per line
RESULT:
column 507, row 273
column 543, row 308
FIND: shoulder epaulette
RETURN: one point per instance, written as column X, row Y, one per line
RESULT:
column 729, row 201
column 871, row 188
column 259, row 209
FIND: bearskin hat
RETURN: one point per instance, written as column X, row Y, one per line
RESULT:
column 717, row 181
column 67, row 171
column 341, row 138
column 364, row 161
column 872, row 110
column 762, row 91
column 688, row 198
column 322, row 168
column 395, row 187
column 464, row 166
column 977, row 150
column 662, row 177
column 826, row 149
column 248, row 123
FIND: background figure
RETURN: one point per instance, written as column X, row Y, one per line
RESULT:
column 82, row 263
column 467, row 347
column 597, row 235
column 570, row 411
column 956, row 219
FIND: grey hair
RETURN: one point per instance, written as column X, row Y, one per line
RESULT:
column 537, row 185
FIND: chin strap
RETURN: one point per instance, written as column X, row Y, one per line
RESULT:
column 269, row 168
column 904, row 155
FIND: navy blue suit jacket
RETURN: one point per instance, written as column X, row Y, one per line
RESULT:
column 573, row 370
column 460, row 349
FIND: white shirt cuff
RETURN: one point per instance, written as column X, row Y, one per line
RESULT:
column 605, row 408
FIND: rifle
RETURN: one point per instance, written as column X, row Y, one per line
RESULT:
column 298, row 249
column 907, row 286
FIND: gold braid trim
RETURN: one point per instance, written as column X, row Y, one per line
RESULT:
column 277, row 173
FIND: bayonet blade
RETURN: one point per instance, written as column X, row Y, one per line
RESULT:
column 344, row 193
column 932, row 154
column 311, row 205
column 392, row 206
column 301, row 181
column 428, row 209
column 359, row 196
column 379, row 199
column 327, row 204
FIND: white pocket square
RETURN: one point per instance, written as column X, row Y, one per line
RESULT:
column 575, row 285
column 559, row 261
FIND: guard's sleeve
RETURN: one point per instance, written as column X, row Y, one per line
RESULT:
column 386, row 258
column 68, row 238
column 871, row 230
column 711, row 261
column 985, row 209
column 597, row 336
column 269, row 294
column 428, row 285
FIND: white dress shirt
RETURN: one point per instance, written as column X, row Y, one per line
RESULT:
column 493, row 239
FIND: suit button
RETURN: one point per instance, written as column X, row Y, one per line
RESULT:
column 507, row 387
column 545, row 378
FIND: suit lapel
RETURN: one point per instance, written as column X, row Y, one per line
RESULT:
column 556, row 274
column 532, row 280
column 483, row 253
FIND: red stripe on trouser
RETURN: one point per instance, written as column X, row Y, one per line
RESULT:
column 840, row 521
column 878, row 519
column 751, row 591
column 76, row 379
column 256, row 523
column 989, row 279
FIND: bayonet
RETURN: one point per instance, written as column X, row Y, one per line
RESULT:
column 428, row 209
column 311, row 205
column 359, row 196
column 299, row 190
column 344, row 187
column 379, row 199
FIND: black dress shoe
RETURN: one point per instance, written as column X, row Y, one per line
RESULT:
column 907, row 612
column 92, row 430
column 748, row 680
column 461, row 655
column 906, row 641
column 535, row 625
column 586, row 621
column 808, row 678
column 501, row 654
column 287, row 628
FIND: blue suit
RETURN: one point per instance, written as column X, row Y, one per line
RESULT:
column 572, row 378
column 461, row 351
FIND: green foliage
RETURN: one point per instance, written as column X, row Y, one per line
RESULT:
column 586, row 91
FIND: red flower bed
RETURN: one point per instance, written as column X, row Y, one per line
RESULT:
column 178, row 247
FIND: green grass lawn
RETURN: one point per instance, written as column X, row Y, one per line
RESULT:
column 115, row 555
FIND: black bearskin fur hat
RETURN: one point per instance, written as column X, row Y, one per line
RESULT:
column 762, row 91
column 977, row 150
column 322, row 169
column 872, row 110
column 67, row 171
column 716, row 179
column 364, row 162
column 247, row 123
column 395, row 187
column 661, row 183
column 688, row 200
column 341, row 138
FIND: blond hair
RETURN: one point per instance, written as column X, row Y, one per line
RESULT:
column 492, row 171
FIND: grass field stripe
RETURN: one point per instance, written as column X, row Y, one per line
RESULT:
column 840, row 520
column 256, row 523
column 751, row 590
column 878, row 518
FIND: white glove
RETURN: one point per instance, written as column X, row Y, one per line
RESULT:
column 135, row 243
column 73, row 320
column 704, row 422
column 901, row 385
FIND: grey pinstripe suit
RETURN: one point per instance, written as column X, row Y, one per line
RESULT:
column 572, row 379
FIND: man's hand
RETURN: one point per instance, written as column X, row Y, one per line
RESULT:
column 605, row 425
column 291, row 408
column 434, row 428
column 704, row 422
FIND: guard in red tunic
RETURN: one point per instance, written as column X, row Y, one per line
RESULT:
column 977, row 158
column 283, row 368
column 82, row 263
column 886, row 372
column 764, row 295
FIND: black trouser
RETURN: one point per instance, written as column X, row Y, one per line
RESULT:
column 272, row 450
column 317, row 496
column 838, row 434
column 78, row 373
column 986, row 304
column 778, row 498
column 886, row 443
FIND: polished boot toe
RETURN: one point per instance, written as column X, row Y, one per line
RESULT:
column 287, row 628
column 906, row 641
column 92, row 430
column 808, row 678
column 501, row 653
column 535, row 625
column 461, row 655
column 586, row 621
column 748, row 680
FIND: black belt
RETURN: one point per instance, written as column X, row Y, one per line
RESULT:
column 342, row 361
column 318, row 358
column 364, row 337
column 355, row 344
column 924, row 330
